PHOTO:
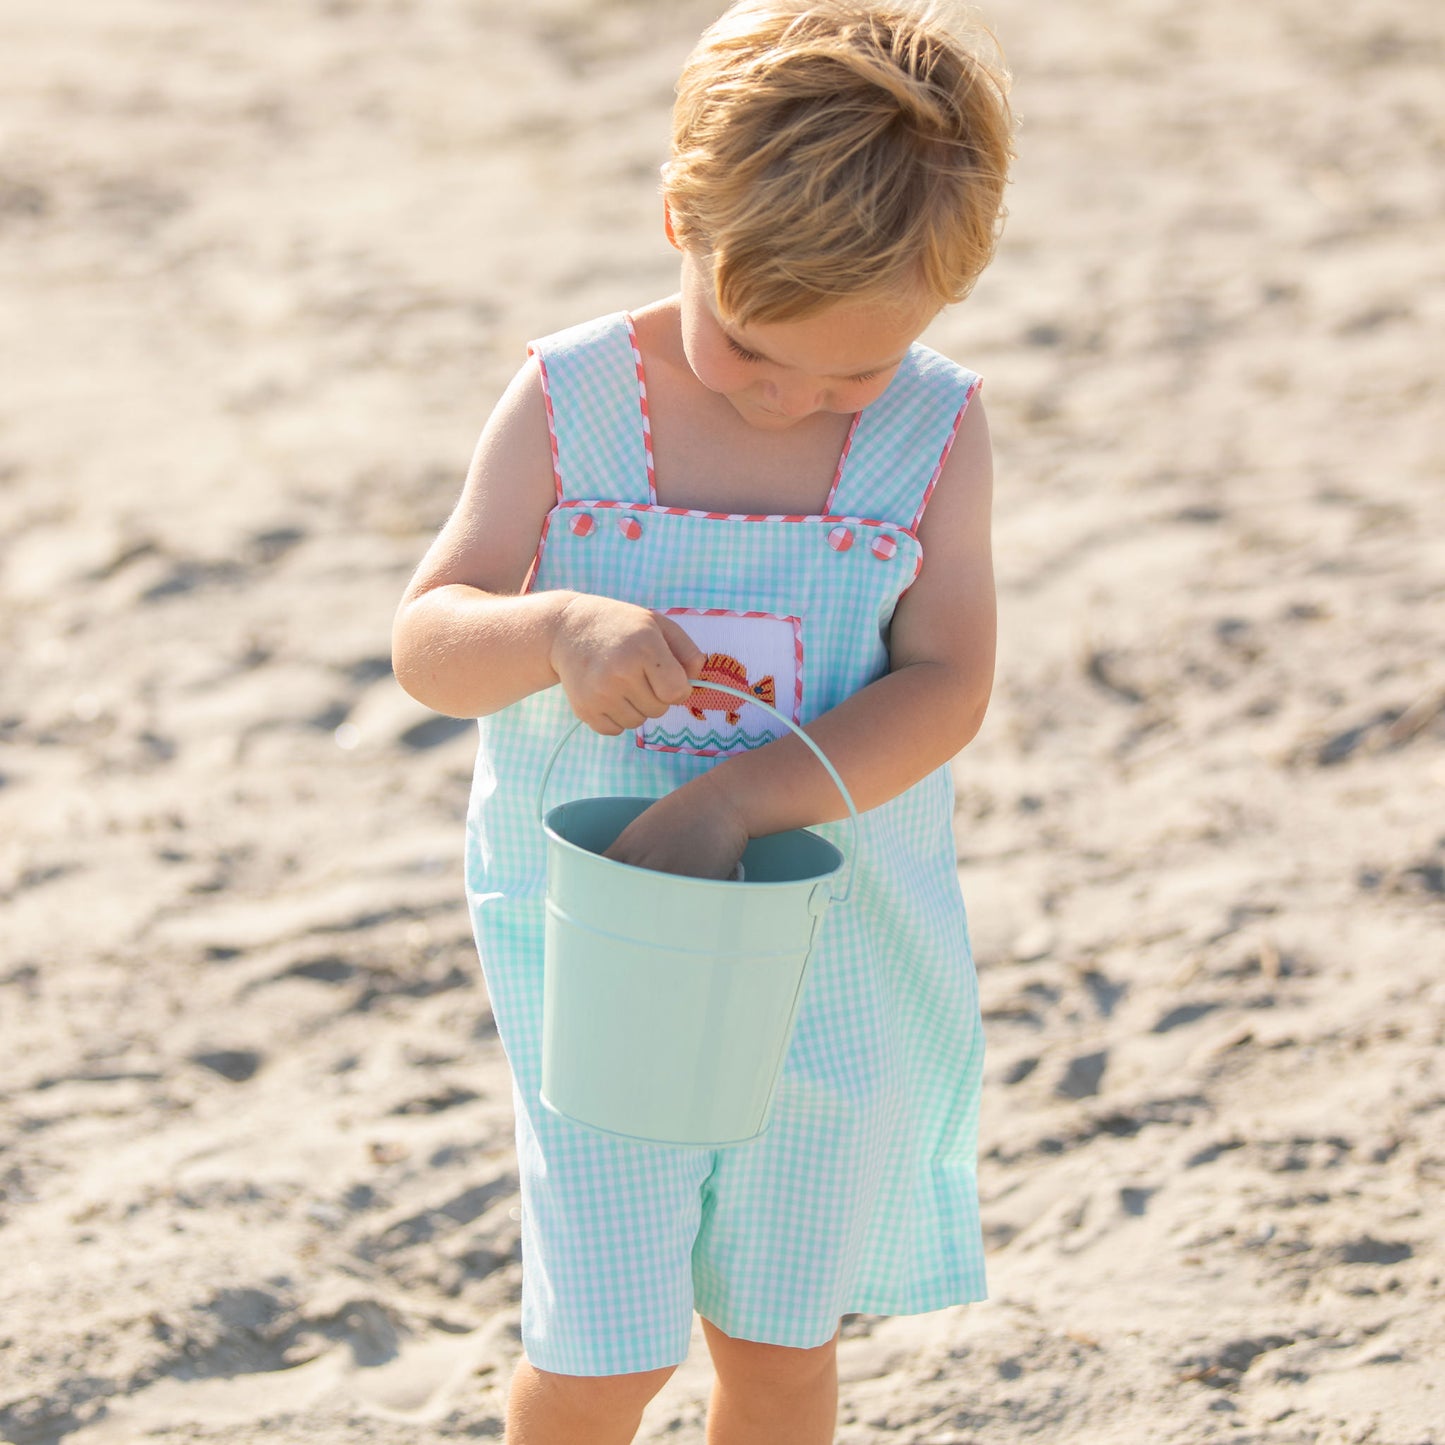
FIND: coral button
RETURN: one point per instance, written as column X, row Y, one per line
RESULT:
column 883, row 548
column 630, row 528
column 840, row 538
column 582, row 525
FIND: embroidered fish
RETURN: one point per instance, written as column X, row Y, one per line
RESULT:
column 719, row 667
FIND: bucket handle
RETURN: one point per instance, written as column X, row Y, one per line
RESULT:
column 817, row 752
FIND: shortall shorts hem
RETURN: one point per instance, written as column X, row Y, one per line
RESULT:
column 593, row 1363
column 919, row 1302
column 800, row 1334
column 770, row 1330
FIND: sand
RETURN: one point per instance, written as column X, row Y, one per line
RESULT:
column 264, row 269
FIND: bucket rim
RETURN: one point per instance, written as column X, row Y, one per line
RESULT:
column 731, row 884
column 850, row 858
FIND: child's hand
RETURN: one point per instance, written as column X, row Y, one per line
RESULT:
column 692, row 831
column 620, row 664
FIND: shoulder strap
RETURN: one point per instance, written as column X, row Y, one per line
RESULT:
column 903, row 439
column 596, row 410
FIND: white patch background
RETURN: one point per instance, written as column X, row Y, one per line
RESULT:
column 766, row 647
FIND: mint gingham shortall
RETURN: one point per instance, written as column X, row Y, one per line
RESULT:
column 861, row 1196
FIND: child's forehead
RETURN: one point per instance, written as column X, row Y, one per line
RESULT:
column 848, row 337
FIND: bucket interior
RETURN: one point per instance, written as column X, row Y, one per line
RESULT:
column 595, row 823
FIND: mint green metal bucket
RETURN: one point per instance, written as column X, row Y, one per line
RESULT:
column 669, row 1002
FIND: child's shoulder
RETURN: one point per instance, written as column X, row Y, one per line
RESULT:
column 925, row 361
column 927, row 378
column 584, row 333
column 656, row 322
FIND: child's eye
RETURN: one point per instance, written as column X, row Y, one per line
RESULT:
column 742, row 351
column 744, row 354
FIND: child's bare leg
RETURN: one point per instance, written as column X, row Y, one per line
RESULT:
column 770, row 1394
column 548, row 1409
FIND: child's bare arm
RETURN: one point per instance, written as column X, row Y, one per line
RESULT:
column 887, row 736
column 467, row 641
column 931, row 703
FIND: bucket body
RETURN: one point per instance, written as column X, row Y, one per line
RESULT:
column 669, row 1002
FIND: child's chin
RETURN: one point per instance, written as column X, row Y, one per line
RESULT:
column 765, row 420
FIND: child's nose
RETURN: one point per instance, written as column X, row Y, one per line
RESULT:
column 795, row 397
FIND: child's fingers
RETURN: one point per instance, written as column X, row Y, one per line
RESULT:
column 688, row 654
column 608, row 724
column 673, row 682
column 628, row 714
column 617, row 717
column 663, row 685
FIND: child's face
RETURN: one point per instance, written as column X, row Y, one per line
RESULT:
column 776, row 373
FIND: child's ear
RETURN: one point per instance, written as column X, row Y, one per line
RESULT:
column 667, row 224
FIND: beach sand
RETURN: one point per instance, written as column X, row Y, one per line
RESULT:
column 264, row 270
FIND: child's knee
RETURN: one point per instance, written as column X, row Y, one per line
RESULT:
column 602, row 1393
column 769, row 1366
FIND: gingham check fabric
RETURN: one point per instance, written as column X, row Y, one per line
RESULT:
column 861, row 1197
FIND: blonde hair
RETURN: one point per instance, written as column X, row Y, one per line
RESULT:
column 824, row 149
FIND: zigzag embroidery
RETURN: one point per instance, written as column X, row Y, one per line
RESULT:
column 686, row 738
